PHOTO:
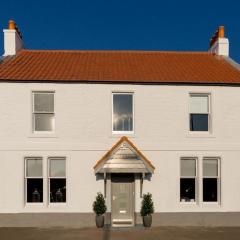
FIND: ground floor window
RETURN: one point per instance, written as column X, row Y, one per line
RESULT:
column 57, row 180
column 188, row 180
column 34, row 180
column 211, row 179
column 207, row 183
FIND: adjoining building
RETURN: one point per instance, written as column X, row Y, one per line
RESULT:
column 124, row 123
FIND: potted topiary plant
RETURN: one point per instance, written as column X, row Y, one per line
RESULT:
column 147, row 209
column 99, row 207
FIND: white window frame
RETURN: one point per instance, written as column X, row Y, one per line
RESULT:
column 195, row 177
column 218, row 180
column 26, row 178
column 35, row 112
column 209, row 95
column 49, row 178
column 133, row 110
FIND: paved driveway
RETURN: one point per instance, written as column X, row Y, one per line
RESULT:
column 138, row 233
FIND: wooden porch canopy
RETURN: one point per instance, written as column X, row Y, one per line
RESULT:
column 124, row 157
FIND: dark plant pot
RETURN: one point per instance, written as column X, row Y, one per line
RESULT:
column 99, row 221
column 147, row 221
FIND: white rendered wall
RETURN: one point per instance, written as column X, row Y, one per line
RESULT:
column 83, row 134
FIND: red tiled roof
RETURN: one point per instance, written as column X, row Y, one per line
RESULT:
column 119, row 66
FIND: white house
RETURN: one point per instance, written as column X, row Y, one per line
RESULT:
column 124, row 123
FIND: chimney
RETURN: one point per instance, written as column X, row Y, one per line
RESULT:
column 12, row 39
column 219, row 45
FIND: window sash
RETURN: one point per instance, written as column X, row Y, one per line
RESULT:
column 182, row 175
column 206, row 173
column 26, row 167
column 44, row 93
column 195, row 189
column 199, row 103
column 217, row 160
column 52, row 124
column 52, row 159
column 126, row 121
column 26, row 191
column 49, row 190
column 218, row 189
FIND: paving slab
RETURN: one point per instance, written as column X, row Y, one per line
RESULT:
column 136, row 233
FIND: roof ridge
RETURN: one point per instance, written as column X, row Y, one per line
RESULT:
column 113, row 51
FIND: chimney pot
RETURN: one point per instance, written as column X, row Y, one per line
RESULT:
column 221, row 32
column 11, row 25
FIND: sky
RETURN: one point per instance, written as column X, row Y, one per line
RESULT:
column 185, row 25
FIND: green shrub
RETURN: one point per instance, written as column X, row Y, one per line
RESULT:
column 147, row 207
column 99, row 205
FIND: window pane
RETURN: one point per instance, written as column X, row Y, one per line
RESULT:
column 44, row 122
column 210, row 189
column 122, row 112
column 34, row 190
column 198, row 122
column 187, row 190
column 43, row 102
column 57, row 168
column 57, row 190
column 34, row 168
column 188, row 167
column 210, row 167
column 198, row 104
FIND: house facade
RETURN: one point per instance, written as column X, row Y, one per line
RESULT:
column 124, row 123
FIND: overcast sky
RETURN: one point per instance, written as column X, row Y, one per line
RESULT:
column 123, row 24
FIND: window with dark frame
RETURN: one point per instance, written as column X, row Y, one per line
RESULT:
column 199, row 112
column 34, row 180
column 188, row 180
column 210, row 179
column 43, row 112
column 122, row 112
column 57, row 180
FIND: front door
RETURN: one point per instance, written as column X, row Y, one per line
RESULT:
column 122, row 199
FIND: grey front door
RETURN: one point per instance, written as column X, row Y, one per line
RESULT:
column 122, row 199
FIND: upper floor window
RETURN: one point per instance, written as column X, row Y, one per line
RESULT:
column 122, row 119
column 43, row 112
column 199, row 112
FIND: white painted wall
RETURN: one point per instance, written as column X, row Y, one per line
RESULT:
column 83, row 134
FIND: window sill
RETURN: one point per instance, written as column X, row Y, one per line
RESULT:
column 200, row 135
column 31, row 205
column 121, row 134
column 188, row 203
column 56, row 205
column 43, row 135
column 217, row 204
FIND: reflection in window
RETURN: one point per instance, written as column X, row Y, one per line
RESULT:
column 188, row 180
column 34, row 180
column 43, row 111
column 122, row 112
column 57, row 179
